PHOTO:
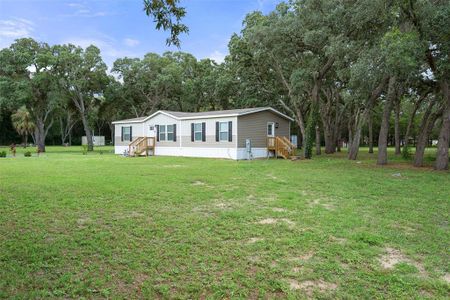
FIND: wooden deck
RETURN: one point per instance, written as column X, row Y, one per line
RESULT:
column 281, row 146
column 142, row 145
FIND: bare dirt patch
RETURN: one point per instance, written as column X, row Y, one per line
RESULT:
column 304, row 257
column 321, row 203
column 338, row 240
column 393, row 256
column 309, row 286
column 254, row 240
column 254, row 258
column 222, row 205
column 271, row 176
column 198, row 182
column 270, row 221
column 446, row 278
column 278, row 209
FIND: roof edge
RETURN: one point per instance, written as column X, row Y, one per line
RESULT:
column 206, row 117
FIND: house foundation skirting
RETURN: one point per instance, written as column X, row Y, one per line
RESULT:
column 229, row 153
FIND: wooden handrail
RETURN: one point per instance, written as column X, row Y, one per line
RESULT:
column 281, row 145
column 140, row 145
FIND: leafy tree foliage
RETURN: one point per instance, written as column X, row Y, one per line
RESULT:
column 167, row 14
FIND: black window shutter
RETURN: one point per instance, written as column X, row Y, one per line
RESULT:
column 230, row 131
column 174, row 132
column 157, row 132
column 192, row 132
column 217, row 131
column 121, row 134
column 203, row 132
column 131, row 133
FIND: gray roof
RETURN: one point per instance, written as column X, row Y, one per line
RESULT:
column 205, row 114
column 134, row 119
column 240, row 111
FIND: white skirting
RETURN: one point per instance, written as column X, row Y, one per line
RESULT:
column 229, row 153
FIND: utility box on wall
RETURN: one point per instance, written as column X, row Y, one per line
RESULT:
column 99, row 140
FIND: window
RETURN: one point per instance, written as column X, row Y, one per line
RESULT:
column 270, row 129
column 170, row 132
column 162, row 132
column 223, row 131
column 166, row 132
column 198, row 132
column 126, row 133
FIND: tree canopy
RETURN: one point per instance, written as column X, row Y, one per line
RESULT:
column 371, row 72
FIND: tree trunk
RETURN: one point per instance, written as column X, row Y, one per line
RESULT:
column 354, row 146
column 426, row 127
column 111, row 129
column 370, row 124
column 397, row 127
column 40, row 135
column 410, row 123
column 338, row 138
column 443, row 142
column 312, row 121
column 360, row 118
column 330, row 140
column 318, row 151
column 422, row 141
column 384, row 128
column 61, row 131
column 88, row 132
column 350, row 134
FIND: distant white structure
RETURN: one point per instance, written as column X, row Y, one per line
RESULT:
column 99, row 140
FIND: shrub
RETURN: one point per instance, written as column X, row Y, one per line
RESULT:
column 101, row 152
column 406, row 153
column 2, row 153
column 27, row 154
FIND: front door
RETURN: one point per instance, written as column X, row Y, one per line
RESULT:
column 271, row 129
column 151, row 131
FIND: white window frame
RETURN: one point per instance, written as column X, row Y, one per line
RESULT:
column 161, row 132
column 273, row 129
column 198, row 131
column 169, row 132
column 227, row 131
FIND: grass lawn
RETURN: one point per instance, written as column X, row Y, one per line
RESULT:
column 101, row 225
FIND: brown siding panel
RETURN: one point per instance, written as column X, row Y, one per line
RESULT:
column 254, row 127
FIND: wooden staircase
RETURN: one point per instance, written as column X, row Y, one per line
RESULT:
column 281, row 146
column 141, row 145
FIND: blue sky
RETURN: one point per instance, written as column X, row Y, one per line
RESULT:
column 121, row 28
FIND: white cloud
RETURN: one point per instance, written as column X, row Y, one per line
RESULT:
column 74, row 4
column 81, row 10
column 16, row 28
column 131, row 42
column 217, row 56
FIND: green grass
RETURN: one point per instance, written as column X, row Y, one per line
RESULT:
column 95, row 226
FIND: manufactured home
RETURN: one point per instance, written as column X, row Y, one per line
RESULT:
column 233, row 134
